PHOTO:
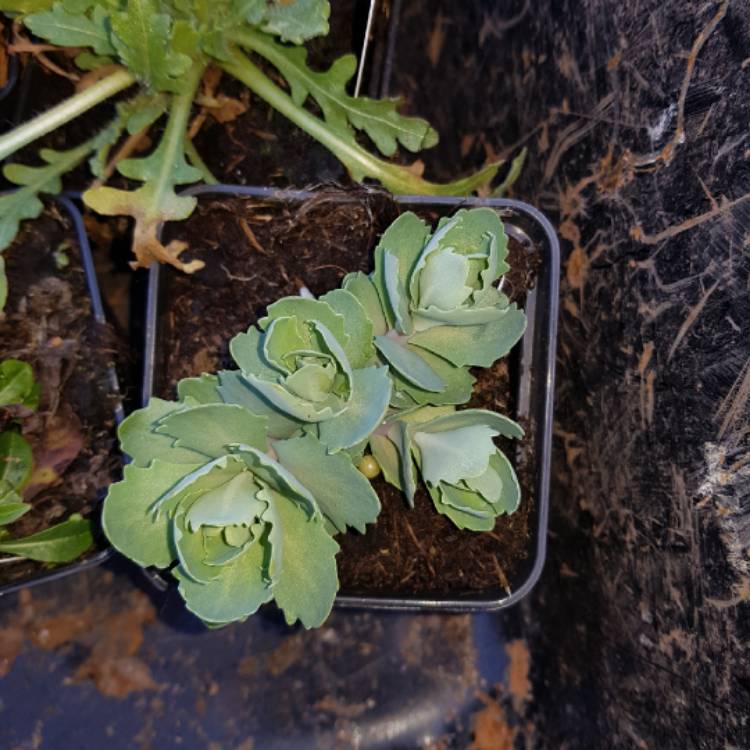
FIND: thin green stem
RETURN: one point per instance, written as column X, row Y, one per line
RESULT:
column 360, row 162
column 197, row 161
column 64, row 112
column 175, row 138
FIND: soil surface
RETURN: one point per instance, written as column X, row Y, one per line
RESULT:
column 256, row 252
column 48, row 323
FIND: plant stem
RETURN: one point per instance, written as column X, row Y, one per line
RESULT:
column 175, row 134
column 360, row 162
column 64, row 112
column 197, row 161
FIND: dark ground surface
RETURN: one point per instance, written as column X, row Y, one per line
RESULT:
column 636, row 116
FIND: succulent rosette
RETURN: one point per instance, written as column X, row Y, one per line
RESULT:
column 435, row 304
column 312, row 365
column 468, row 477
column 243, row 519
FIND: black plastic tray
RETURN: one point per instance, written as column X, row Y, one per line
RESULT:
column 97, row 310
column 535, row 377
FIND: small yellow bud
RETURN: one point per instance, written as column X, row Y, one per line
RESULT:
column 369, row 466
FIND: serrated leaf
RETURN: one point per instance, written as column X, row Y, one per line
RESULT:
column 343, row 113
column 24, row 203
column 343, row 494
column 204, row 389
column 306, row 586
column 127, row 520
column 142, row 443
column 292, row 20
column 210, row 428
column 156, row 201
column 73, row 29
column 399, row 179
column 140, row 111
column 61, row 543
column 142, row 37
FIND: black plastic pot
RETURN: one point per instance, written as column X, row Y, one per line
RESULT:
column 97, row 311
column 535, row 378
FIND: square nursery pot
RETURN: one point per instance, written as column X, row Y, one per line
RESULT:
column 532, row 371
column 102, row 551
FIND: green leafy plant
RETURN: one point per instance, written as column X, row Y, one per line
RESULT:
column 19, row 397
column 241, row 484
column 159, row 50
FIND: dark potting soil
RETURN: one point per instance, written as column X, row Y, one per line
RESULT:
column 48, row 323
column 256, row 252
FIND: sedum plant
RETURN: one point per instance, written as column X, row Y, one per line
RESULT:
column 158, row 51
column 241, row 484
column 63, row 542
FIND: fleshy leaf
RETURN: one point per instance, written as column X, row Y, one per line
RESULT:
column 234, row 503
column 236, row 593
column 371, row 393
column 306, row 587
column 458, row 383
column 452, row 455
column 384, row 451
column 511, row 489
column 396, row 291
column 140, row 441
column 247, row 351
column 362, row 287
column 409, row 364
column 342, row 493
column 209, row 428
column 126, row 518
column 461, row 518
column 204, row 389
column 467, row 417
column 357, row 326
column 234, row 389
column 190, row 548
column 474, row 345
